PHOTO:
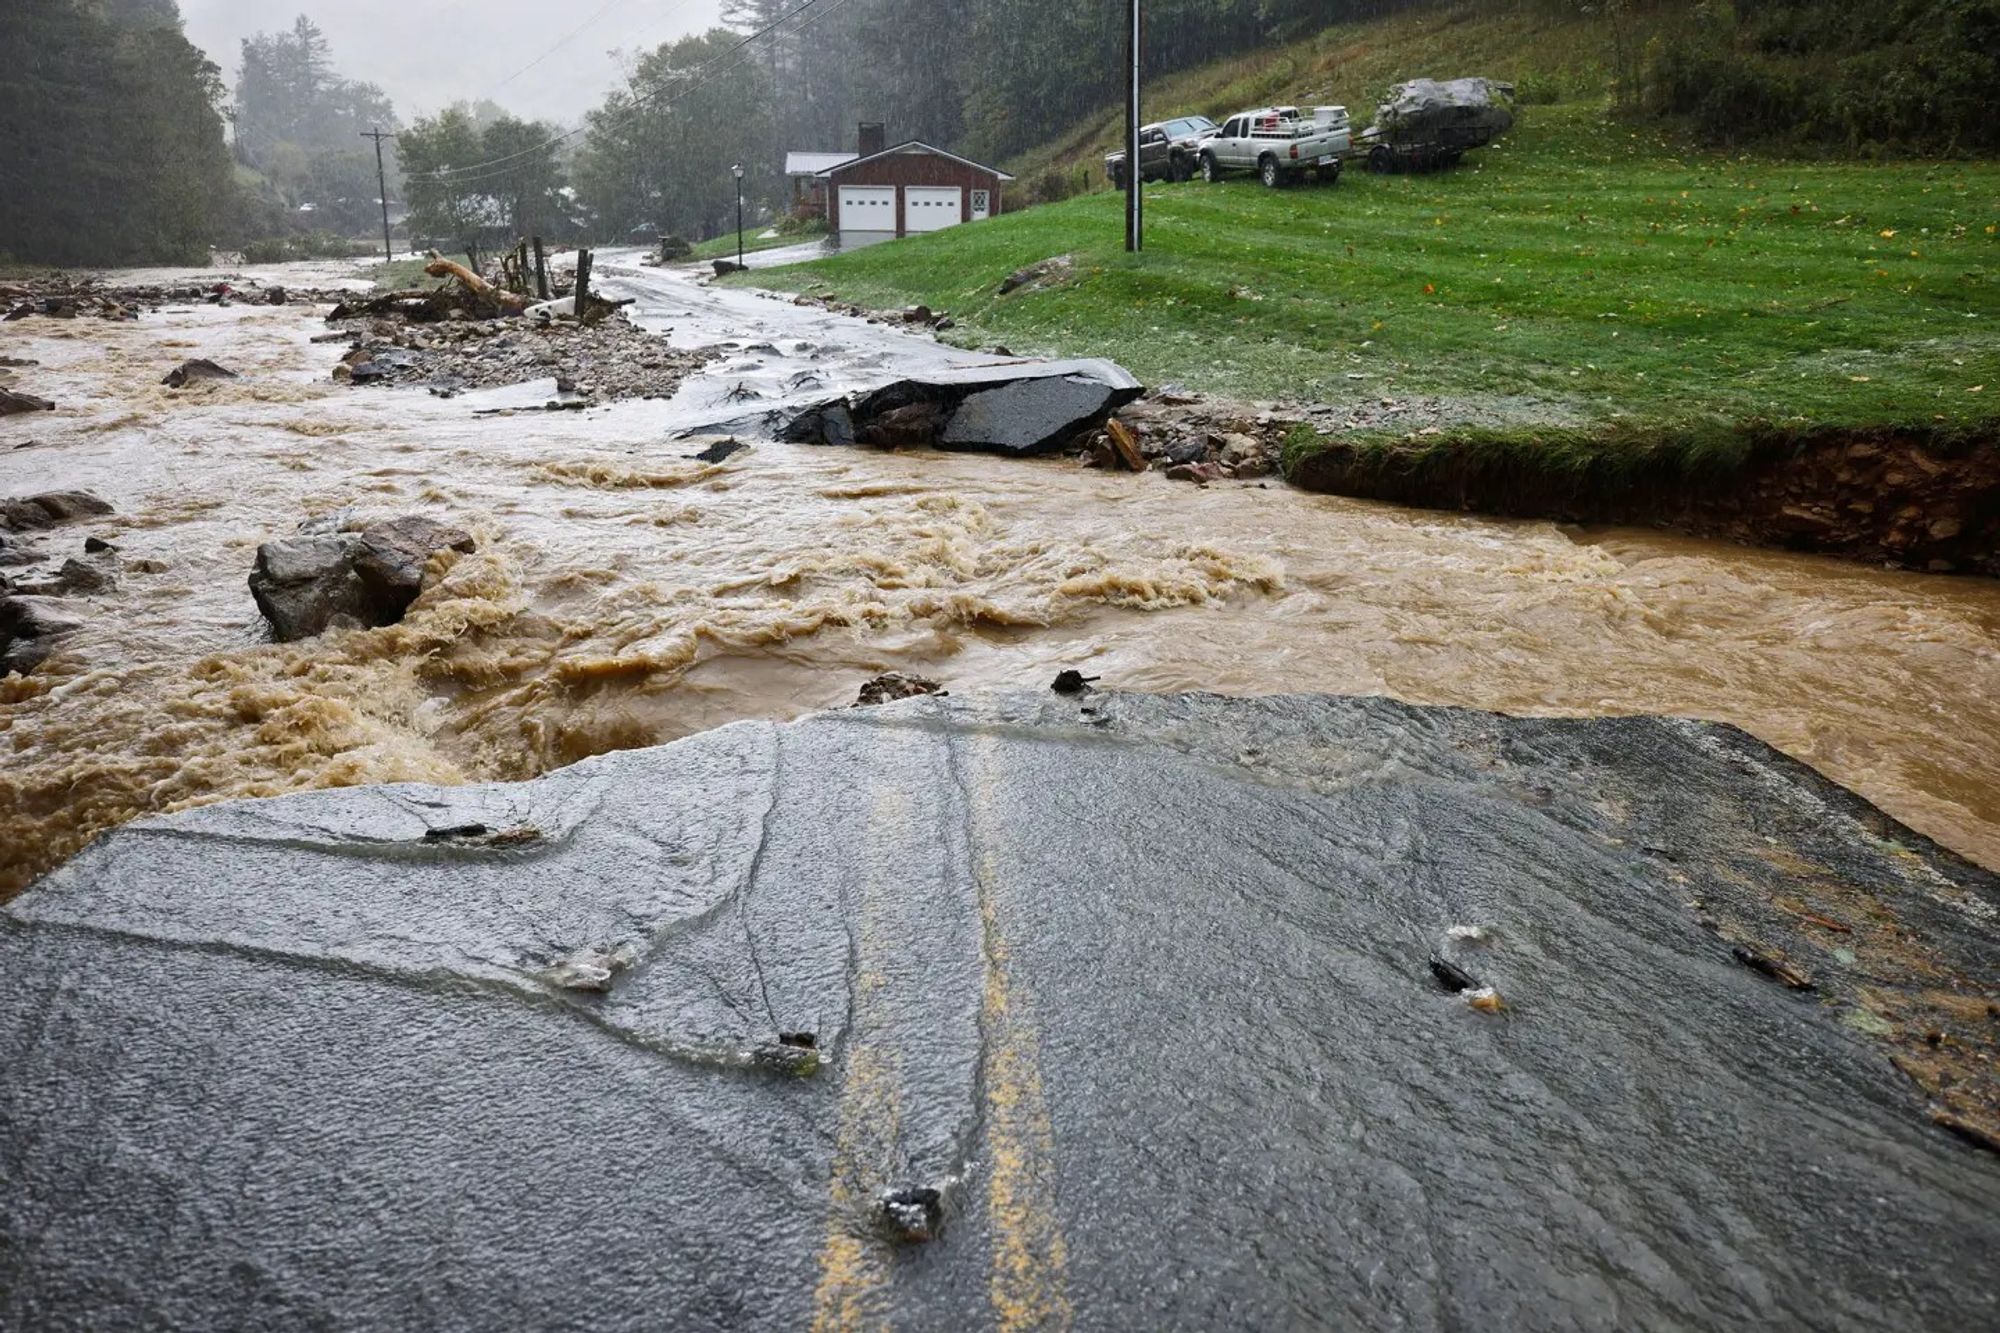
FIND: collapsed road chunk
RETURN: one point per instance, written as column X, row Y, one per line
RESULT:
column 1010, row 409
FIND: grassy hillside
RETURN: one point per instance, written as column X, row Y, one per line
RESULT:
column 1580, row 272
column 1550, row 57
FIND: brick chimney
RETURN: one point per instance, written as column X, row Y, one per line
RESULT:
column 873, row 138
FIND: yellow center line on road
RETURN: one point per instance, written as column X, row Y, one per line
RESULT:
column 1028, row 1281
column 853, row 1266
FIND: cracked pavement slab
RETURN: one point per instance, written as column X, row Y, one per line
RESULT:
column 1017, row 1011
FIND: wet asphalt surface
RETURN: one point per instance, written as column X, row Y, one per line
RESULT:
column 1141, row 987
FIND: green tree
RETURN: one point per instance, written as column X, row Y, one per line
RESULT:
column 525, row 177
column 441, row 157
column 115, row 149
column 299, row 124
column 659, row 152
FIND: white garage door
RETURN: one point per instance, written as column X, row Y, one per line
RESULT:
column 932, row 207
column 868, row 208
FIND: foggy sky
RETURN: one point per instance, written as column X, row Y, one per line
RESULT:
column 427, row 54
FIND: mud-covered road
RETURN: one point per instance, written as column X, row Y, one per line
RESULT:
column 625, row 595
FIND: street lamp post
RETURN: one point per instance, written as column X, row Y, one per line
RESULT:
column 737, row 172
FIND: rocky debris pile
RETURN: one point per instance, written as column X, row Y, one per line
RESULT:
column 1047, row 273
column 1034, row 408
column 604, row 362
column 363, row 578
column 59, row 296
column 1191, row 439
column 916, row 316
column 890, row 686
column 32, row 616
column 977, row 917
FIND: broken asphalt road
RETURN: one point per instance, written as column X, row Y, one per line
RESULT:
column 1026, row 1011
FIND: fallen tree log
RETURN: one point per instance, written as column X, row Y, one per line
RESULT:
column 503, row 302
column 419, row 305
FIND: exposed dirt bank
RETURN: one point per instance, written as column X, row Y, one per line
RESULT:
column 1889, row 496
column 1908, row 497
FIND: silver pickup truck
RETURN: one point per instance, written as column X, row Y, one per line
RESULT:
column 1281, row 144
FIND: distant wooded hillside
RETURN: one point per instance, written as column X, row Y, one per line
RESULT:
column 114, row 147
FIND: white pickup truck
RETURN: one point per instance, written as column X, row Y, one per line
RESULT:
column 1281, row 144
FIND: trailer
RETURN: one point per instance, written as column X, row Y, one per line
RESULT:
column 1426, row 124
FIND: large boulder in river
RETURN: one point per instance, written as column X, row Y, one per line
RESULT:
column 49, row 509
column 1155, row 1012
column 29, row 629
column 391, row 556
column 14, row 403
column 200, row 368
column 308, row 584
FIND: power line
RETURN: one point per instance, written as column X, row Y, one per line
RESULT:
column 463, row 176
column 565, row 40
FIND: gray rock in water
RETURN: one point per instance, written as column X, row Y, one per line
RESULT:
column 719, row 452
column 90, row 574
column 390, row 558
column 307, row 585
column 29, row 629
column 200, row 368
column 14, row 403
column 49, row 509
column 1190, row 1013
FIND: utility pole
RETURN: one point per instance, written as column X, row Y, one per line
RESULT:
column 1135, row 220
column 382, row 184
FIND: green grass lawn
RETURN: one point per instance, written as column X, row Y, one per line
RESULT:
column 1581, row 271
column 402, row 275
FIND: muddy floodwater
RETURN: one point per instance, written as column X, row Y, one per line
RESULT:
column 624, row 595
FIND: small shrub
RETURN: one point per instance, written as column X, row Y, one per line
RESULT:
column 1725, row 93
column 1051, row 187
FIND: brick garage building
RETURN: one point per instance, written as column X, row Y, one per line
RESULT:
column 908, row 190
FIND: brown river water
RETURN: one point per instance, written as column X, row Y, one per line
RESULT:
column 625, row 596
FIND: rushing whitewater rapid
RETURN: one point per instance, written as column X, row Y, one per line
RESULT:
column 624, row 595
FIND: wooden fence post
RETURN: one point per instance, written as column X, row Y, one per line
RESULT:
column 541, row 271
column 582, row 281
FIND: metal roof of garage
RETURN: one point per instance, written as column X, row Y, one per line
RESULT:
column 916, row 146
column 814, row 164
